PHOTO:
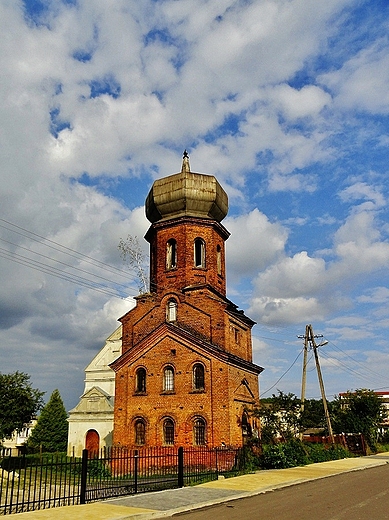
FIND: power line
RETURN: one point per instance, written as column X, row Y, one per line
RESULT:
column 284, row 374
column 363, row 365
column 347, row 368
column 46, row 268
column 64, row 249
column 53, row 260
column 38, row 266
column 338, row 363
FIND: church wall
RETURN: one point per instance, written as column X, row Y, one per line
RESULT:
column 78, row 430
column 238, row 339
column 182, row 405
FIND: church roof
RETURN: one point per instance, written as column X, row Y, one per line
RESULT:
column 186, row 194
column 185, row 336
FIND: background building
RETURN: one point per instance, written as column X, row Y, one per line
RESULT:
column 14, row 445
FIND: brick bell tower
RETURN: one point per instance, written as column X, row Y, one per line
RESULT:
column 185, row 376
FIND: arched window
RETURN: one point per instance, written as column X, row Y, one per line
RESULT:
column 199, row 252
column 140, row 380
column 198, row 377
column 168, row 431
column 171, row 254
column 168, row 379
column 171, row 310
column 219, row 259
column 199, row 430
column 140, row 432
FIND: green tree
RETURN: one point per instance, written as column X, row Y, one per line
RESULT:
column 361, row 411
column 313, row 415
column 280, row 417
column 19, row 403
column 51, row 429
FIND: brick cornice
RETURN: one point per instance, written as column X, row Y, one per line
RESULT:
column 180, row 221
column 190, row 340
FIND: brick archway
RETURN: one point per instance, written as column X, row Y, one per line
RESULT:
column 92, row 442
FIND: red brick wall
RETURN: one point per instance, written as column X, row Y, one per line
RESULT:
column 184, row 231
column 221, row 404
column 205, row 332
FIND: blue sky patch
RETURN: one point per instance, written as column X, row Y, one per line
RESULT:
column 230, row 126
column 36, row 11
column 86, row 54
column 107, row 85
column 56, row 123
column 82, row 55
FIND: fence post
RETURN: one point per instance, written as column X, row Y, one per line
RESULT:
column 136, row 458
column 180, row 467
column 84, row 473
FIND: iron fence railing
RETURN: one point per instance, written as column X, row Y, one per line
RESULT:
column 29, row 483
column 51, row 480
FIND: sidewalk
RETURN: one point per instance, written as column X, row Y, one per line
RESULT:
column 163, row 504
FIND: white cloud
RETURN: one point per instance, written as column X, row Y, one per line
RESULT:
column 362, row 190
column 362, row 82
column 254, row 244
column 306, row 102
column 375, row 295
column 299, row 275
column 302, row 288
column 277, row 311
column 213, row 76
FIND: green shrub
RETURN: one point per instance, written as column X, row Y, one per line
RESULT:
column 339, row 452
column 96, row 469
column 247, row 459
column 382, row 447
column 295, row 453
column 318, row 452
column 274, row 457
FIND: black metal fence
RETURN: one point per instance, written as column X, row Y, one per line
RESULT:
column 52, row 480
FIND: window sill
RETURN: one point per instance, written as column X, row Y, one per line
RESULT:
column 197, row 391
column 168, row 392
column 139, row 393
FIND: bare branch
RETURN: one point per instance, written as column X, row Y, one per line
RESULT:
column 132, row 254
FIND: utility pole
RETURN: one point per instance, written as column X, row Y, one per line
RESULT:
column 310, row 338
column 304, row 377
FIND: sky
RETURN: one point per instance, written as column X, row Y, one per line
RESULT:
column 285, row 102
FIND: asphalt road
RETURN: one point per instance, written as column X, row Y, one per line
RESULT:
column 359, row 495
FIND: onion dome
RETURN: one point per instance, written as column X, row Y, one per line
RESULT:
column 186, row 194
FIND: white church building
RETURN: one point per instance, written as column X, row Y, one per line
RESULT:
column 91, row 421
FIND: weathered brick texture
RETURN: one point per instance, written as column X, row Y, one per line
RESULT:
column 205, row 330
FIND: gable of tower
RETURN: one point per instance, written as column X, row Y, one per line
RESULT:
column 174, row 374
